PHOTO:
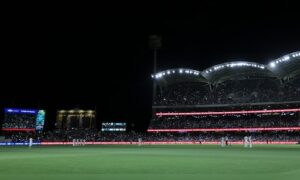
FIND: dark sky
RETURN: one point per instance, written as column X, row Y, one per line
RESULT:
column 99, row 57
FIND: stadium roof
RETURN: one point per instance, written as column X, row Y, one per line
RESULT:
column 283, row 67
column 235, row 69
column 286, row 66
column 171, row 76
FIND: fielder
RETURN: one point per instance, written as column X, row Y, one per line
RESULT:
column 246, row 142
column 226, row 141
column 250, row 141
column 30, row 143
column 140, row 141
column 222, row 142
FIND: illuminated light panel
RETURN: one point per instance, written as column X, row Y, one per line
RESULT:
column 226, row 112
column 18, row 143
column 225, row 129
column 18, row 129
column 167, row 142
column 20, row 111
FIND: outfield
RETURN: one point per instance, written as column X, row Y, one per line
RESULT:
column 167, row 162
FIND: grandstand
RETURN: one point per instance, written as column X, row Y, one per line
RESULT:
column 231, row 83
column 201, row 101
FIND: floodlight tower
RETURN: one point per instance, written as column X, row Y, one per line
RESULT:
column 154, row 44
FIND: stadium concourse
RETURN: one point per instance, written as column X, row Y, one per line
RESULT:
column 233, row 99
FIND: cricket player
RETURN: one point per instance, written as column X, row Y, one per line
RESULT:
column 140, row 141
column 250, row 141
column 226, row 140
column 200, row 140
column 30, row 143
column 246, row 141
column 222, row 141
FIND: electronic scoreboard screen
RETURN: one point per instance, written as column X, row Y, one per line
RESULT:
column 23, row 119
column 113, row 126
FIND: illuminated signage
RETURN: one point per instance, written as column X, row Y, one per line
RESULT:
column 113, row 126
column 21, row 111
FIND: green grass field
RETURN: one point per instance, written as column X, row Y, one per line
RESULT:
column 167, row 162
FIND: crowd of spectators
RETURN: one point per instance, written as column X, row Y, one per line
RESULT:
column 229, row 92
column 187, row 94
column 19, row 121
column 226, row 121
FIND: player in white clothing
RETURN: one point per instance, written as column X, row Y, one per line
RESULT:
column 250, row 141
column 246, row 141
column 222, row 141
column 140, row 141
column 30, row 143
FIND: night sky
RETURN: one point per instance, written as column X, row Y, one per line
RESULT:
column 99, row 58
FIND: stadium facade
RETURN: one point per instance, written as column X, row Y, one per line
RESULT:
column 76, row 119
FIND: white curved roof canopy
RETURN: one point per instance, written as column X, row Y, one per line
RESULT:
column 285, row 66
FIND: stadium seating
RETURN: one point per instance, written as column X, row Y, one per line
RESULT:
column 19, row 121
column 229, row 92
column 225, row 121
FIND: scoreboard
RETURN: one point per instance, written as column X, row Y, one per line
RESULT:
column 16, row 119
column 113, row 126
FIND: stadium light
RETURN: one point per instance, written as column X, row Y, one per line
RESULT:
column 273, row 65
column 159, row 75
column 285, row 58
column 296, row 55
